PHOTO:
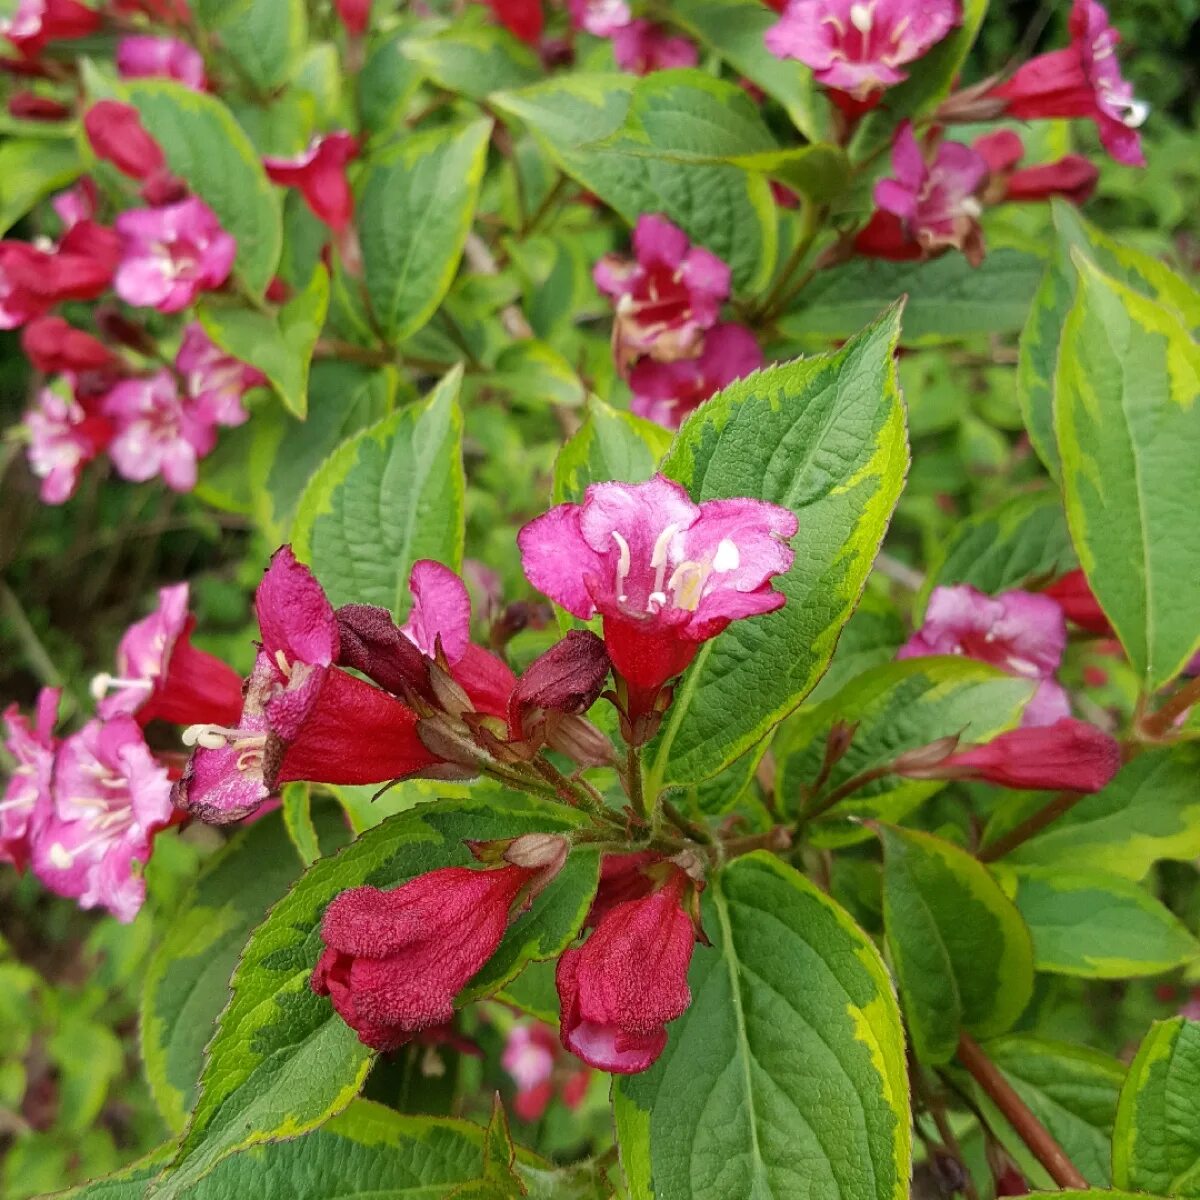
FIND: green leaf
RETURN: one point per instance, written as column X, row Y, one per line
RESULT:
column 894, row 707
column 389, row 496
column 32, row 168
column 947, row 297
column 535, row 374
column 825, row 437
column 1128, row 430
column 296, row 808
column 417, row 203
column 264, row 38
column 1156, row 1143
column 206, row 148
column 788, row 1067
column 1072, row 1090
column 474, row 62
column 187, row 981
column 280, row 346
column 1055, row 295
column 734, row 29
column 610, row 444
column 1149, row 812
column 387, row 82
column 962, row 954
column 281, row 1061
column 1022, row 541
column 1098, row 925
column 719, row 206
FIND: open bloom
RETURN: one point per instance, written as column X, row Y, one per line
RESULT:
column 37, row 23
column 33, row 280
column 63, row 439
column 158, row 432
column 1082, row 80
column 1020, row 632
column 859, row 47
column 170, row 255
column 394, row 961
column 162, row 676
column 110, row 797
column 629, row 978
column 143, row 57
column 1073, row 177
column 320, row 175
column 664, row 573
column 935, row 200
column 214, row 380
column 26, row 800
column 668, row 392
column 644, row 46
column 302, row 717
column 532, row 1057
column 666, row 297
column 1068, row 755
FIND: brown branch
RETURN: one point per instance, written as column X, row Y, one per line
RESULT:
column 1033, row 824
column 1030, row 1130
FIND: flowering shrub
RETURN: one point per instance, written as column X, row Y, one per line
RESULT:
column 720, row 685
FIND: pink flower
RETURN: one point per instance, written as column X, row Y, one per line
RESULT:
column 1068, row 755
column 302, row 717
column 143, row 57
column 667, row 297
column 665, row 574
column 36, row 23
column 214, row 380
column 320, row 174
column 162, row 676
column 394, row 961
column 158, row 432
column 26, row 801
column 620, row 988
column 601, row 18
column 170, row 255
column 531, row 1056
column 1072, row 176
column 76, row 204
column 669, row 392
column 1083, row 80
column 642, row 47
column 935, row 201
column 1020, row 632
column 110, row 797
column 858, row 47
column 63, row 439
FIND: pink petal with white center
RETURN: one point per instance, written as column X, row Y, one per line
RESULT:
column 657, row 242
column 558, row 560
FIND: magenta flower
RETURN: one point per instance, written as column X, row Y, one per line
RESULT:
column 320, row 175
column 63, row 439
column 935, row 201
column 143, row 57
column 162, row 676
column 36, row 23
column 1072, row 176
column 1022, row 633
column 1083, row 80
column 601, row 18
column 170, row 255
column 669, row 392
column 643, row 46
column 158, row 432
column 109, row 799
column 302, row 717
column 215, row 381
column 859, row 47
column 531, row 1057
column 667, row 297
column 618, row 991
column 26, row 801
column 76, row 204
column 664, row 573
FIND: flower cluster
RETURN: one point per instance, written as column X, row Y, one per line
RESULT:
column 668, row 339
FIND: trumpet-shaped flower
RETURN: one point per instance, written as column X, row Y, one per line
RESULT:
column 214, row 380
column 319, row 173
column 26, row 801
column 144, row 57
column 63, row 439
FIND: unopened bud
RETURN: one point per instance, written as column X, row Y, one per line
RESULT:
column 538, row 851
column 914, row 763
column 579, row 740
column 568, row 678
column 448, row 693
column 371, row 642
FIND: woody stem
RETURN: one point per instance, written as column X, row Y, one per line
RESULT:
column 1160, row 722
column 1033, row 824
column 1030, row 1130
column 634, row 783
column 846, row 789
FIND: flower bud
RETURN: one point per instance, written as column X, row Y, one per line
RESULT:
column 371, row 642
column 116, row 135
column 567, row 678
column 579, row 740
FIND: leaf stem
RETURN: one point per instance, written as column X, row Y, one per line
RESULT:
column 839, row 794
column 1032, row 825
column 635, row 787
column 812, row 220
column 36, row 655
column 1030, row 1130
column 1158, row 724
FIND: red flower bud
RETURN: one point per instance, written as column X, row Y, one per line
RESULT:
column 621, row 987
column 1079, row 605
column 53, row 346
column 524, row 18
column 354, row 14
column 29, row 106
column 394, row 961
column 1069, row 755
column 568, row 678
column 371, row 642
column 116, row 135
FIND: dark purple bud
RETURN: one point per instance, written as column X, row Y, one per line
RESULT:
column 371, row 642
column 568, row 678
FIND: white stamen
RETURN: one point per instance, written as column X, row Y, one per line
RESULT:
column 623, row 563
column 687, row 584
column 970, row 206
column 282, row 663
column 104, row 683
column 658, row 557
column 727, row 557
column 60, row 856
column 18, row 803
column 655, row 601
column 862, row 17
column 1136, row 114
